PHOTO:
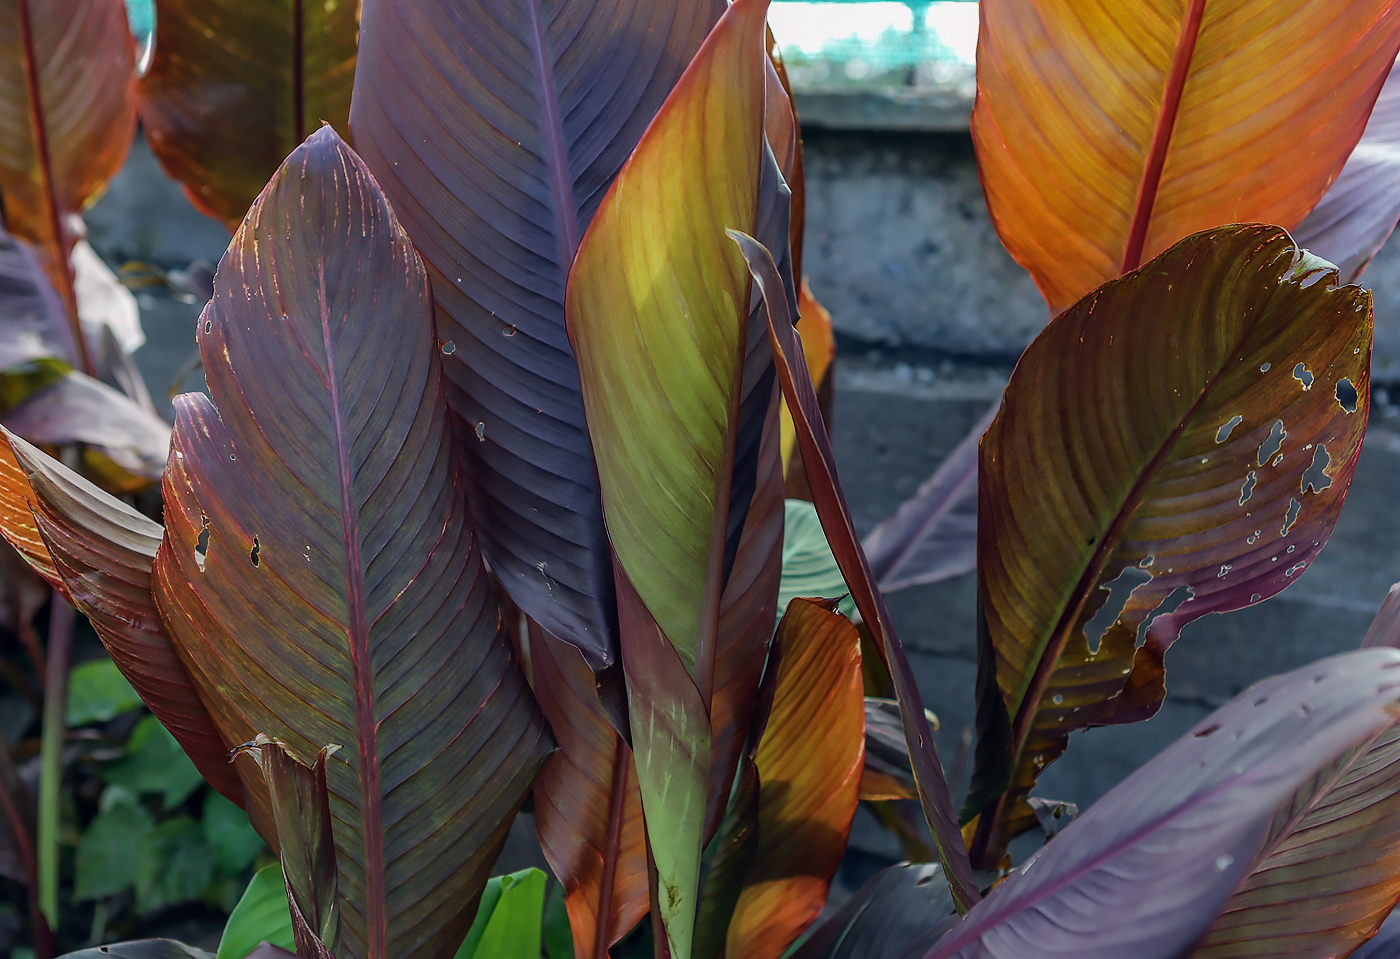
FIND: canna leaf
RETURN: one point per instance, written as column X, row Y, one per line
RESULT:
column 318, row 570
column 1210, row 451
column 933, row 534
column 830, row 503
column 1146, row 870
column 819, row 350
column 1359, row 210
column 748, row 614
column 808, row 784
column 588, row 812
column 809, row 568
column 1326, row 876
column 68, row 106
column 496, row 130
column 159, row 949
column 97, row 552
column 301, row 811
column 1385, row 628
column 1106, row 131
column 232, row 88
column 658, row 309
column 902, row 910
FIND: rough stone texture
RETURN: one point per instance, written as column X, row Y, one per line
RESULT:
column 901, row 250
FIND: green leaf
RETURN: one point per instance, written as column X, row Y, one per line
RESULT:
column 97, row 692
column 108, row 850
column 509, row 920
column 232, row 841
column 809, row 568
column 173, row 865
column 262, row 915
column 155, row 763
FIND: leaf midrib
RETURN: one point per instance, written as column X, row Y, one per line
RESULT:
column 555, row 150
column 1150, row 184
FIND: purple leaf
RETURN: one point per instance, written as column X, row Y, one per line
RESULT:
column 1144, row 872
column 1351, row 222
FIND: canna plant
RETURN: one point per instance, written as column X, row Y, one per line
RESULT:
column 486, row 498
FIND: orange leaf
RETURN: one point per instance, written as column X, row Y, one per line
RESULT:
column 1107, row 130
column 809, row 767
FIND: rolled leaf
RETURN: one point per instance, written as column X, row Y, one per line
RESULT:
column 301, row 811
column 496, row 129
column 1107, row 131
column 318, row 569
column 658, row 311
column 1351, row 222
column 1146, row 870
column 68, row 106
column 232, row 88
column 1385, row 628
column 748, row 613
column 819, row 350
column 97, row 552
column 808, row 784
column 830, row 502
column 1209, row 452
column 588, row 812
column 933, row 534
column 903, row 908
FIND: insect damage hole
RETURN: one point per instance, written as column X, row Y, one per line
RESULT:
column 1315, row 476
column 201, row 545
column 1247, row 490
column 1272, row 443
column 1301, row 374
column 1291, row 516
column 255, row 554
column 1173, row 601
column 1118, row 593
column 1223, row 434
column 1347, row 397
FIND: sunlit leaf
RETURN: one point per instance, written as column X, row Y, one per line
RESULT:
column 808, row 784
column 1107, row 130
column 509, row 920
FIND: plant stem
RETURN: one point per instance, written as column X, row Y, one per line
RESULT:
column 61, row 619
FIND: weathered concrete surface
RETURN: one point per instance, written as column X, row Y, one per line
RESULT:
column 901, row 250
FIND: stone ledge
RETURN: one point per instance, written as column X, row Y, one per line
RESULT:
column 896, row 109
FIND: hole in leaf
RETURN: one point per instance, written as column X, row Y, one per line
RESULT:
column 1118, row 592
column 1223, row 434
column 1147, row 561
column 1301, row 374
column 1247, row 490
column 449, row 348
column 1290, row 517
column 1346, row 395
column 1315, row 477
column 254, row 554
column 201, row 545
column 1174, row 601
column 1213, row 727
column 481, row 432
column 1295, row 568
column 1264, row 367
column 208, row 326
column 1272, row 443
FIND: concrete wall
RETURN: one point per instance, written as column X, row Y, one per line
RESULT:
column 901, row 249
